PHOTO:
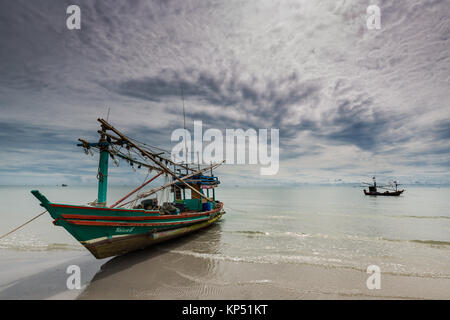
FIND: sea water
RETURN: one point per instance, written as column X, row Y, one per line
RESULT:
column 331, row 226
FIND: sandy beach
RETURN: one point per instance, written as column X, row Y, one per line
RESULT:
column 161, row 273
column 166, row 272
column 320, row 251
column 38, row 275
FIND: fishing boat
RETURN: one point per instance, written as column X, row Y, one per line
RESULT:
column 140, row 222
column 390, row 190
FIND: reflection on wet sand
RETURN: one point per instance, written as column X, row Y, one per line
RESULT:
column 146, row 273
column 43, row 275
column 194, row 267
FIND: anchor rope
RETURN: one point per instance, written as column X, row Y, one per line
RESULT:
column 3, row 236
column 238, row 210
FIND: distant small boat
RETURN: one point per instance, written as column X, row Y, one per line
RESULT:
column 390, row 191
column 64, row 185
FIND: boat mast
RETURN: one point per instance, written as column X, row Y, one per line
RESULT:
column 107, row 126
column 184, row 126
column 213, row 191
column 102, row 169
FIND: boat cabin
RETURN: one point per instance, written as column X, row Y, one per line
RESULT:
column 196, row 202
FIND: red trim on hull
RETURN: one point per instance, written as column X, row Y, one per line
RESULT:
column 129, row 224
column 89, row 217
column 90, row 220
column 102, row 208
column 119, row 245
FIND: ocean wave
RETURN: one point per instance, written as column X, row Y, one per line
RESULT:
column 44, row 247
column 308, row 260
column 290, row 234
column 19, row 243
column 437, row 243
column 252, row 233
column 269, row 259
column 419, row 217
column 281, row 217
column 432, row 242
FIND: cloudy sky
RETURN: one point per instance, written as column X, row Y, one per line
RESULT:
column 349, row 102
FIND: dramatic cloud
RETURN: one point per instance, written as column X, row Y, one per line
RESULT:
column 349, row 102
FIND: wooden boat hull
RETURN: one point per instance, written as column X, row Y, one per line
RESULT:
column 103, row 248
column 386, row 193
column 108, row 232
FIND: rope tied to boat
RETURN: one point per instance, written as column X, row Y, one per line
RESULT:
column 238, row 210
column 100, row 176
column 7, row 234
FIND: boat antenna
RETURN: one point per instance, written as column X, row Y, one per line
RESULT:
column 184, row 124
column 198, row 160
column 107, row 116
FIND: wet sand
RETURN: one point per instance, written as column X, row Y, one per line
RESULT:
column 39, row 275
column 162, row 272
column 188, row 268
column 157, row 273
column 317, row 245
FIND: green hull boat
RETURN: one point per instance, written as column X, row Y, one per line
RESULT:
column 110, row 231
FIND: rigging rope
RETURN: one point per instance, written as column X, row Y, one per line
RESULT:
column 22, row 225
column 227, row 206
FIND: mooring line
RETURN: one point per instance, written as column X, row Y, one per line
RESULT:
column 227, row 206
column 23, row 225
